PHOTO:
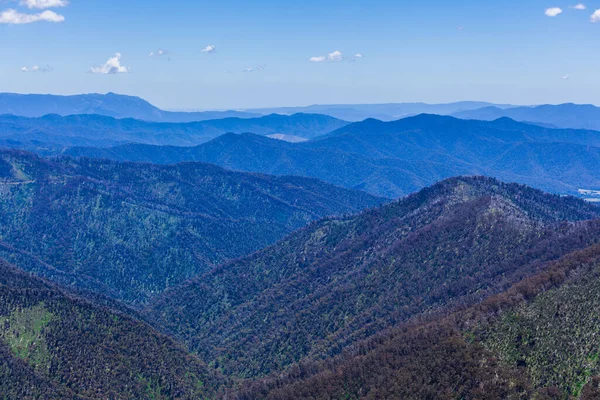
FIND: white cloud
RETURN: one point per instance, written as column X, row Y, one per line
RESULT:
column 335, row 56
column 159, row 53
column 211, row 48
column 595, row 16
column 43, row 4
column 553, row 12
column 111, row 67
column 579, row 6
column 14, row 17
column 37, row 68
column 566, row 77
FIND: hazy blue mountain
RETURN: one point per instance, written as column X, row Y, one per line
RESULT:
column 384, row 112
column 400, row 157
column 52, row 132
column 577, row 116
column 110, row 104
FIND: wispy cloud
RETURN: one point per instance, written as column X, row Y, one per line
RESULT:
column 553, row 12
column 211, row 48
column 566, row 77
column 595, row 16
column 159, row 53
column 111, row 67
column 37, row 68
column 43, row 4
column 255, row 69
column 579, row 6
column 13, row 17
column 318, row 59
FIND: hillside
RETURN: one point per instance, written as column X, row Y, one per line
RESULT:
column 343, row 280
column 393, row 159
column 536, row 340
column 51, row 133
column 110, row 105
column 54, row 346
column 132, row 230
column 576, row 116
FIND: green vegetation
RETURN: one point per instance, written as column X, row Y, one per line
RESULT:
column 55, row 346
column 132, row 230
column 555, row 337
column 23, row 331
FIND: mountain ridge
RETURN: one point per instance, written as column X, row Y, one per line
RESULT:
column 393, row 159
column 344, row 279
column 110, row 104
column 136, row 229
column 51, row 133
column 567, row 115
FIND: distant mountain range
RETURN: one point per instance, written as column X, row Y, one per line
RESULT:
column 110, row 105
column 383, row 112
column 577, row 116
column 130, row 230
column 121, row 106
column 51, row 133
column 393, row 159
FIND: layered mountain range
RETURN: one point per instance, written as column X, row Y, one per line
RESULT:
column 393, row 159
column 158, row 258
column 466, row 289
column 52, row 133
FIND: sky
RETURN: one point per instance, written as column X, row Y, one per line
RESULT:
column 234, row 54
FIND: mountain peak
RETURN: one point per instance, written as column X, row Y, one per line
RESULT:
column 342, row 279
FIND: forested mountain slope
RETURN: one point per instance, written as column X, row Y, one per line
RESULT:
column 397, row 158
column 54, row 346
column 131, row 230
column 539, row 339
column 342, row 280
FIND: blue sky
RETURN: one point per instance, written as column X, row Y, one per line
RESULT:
column 433, row 51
